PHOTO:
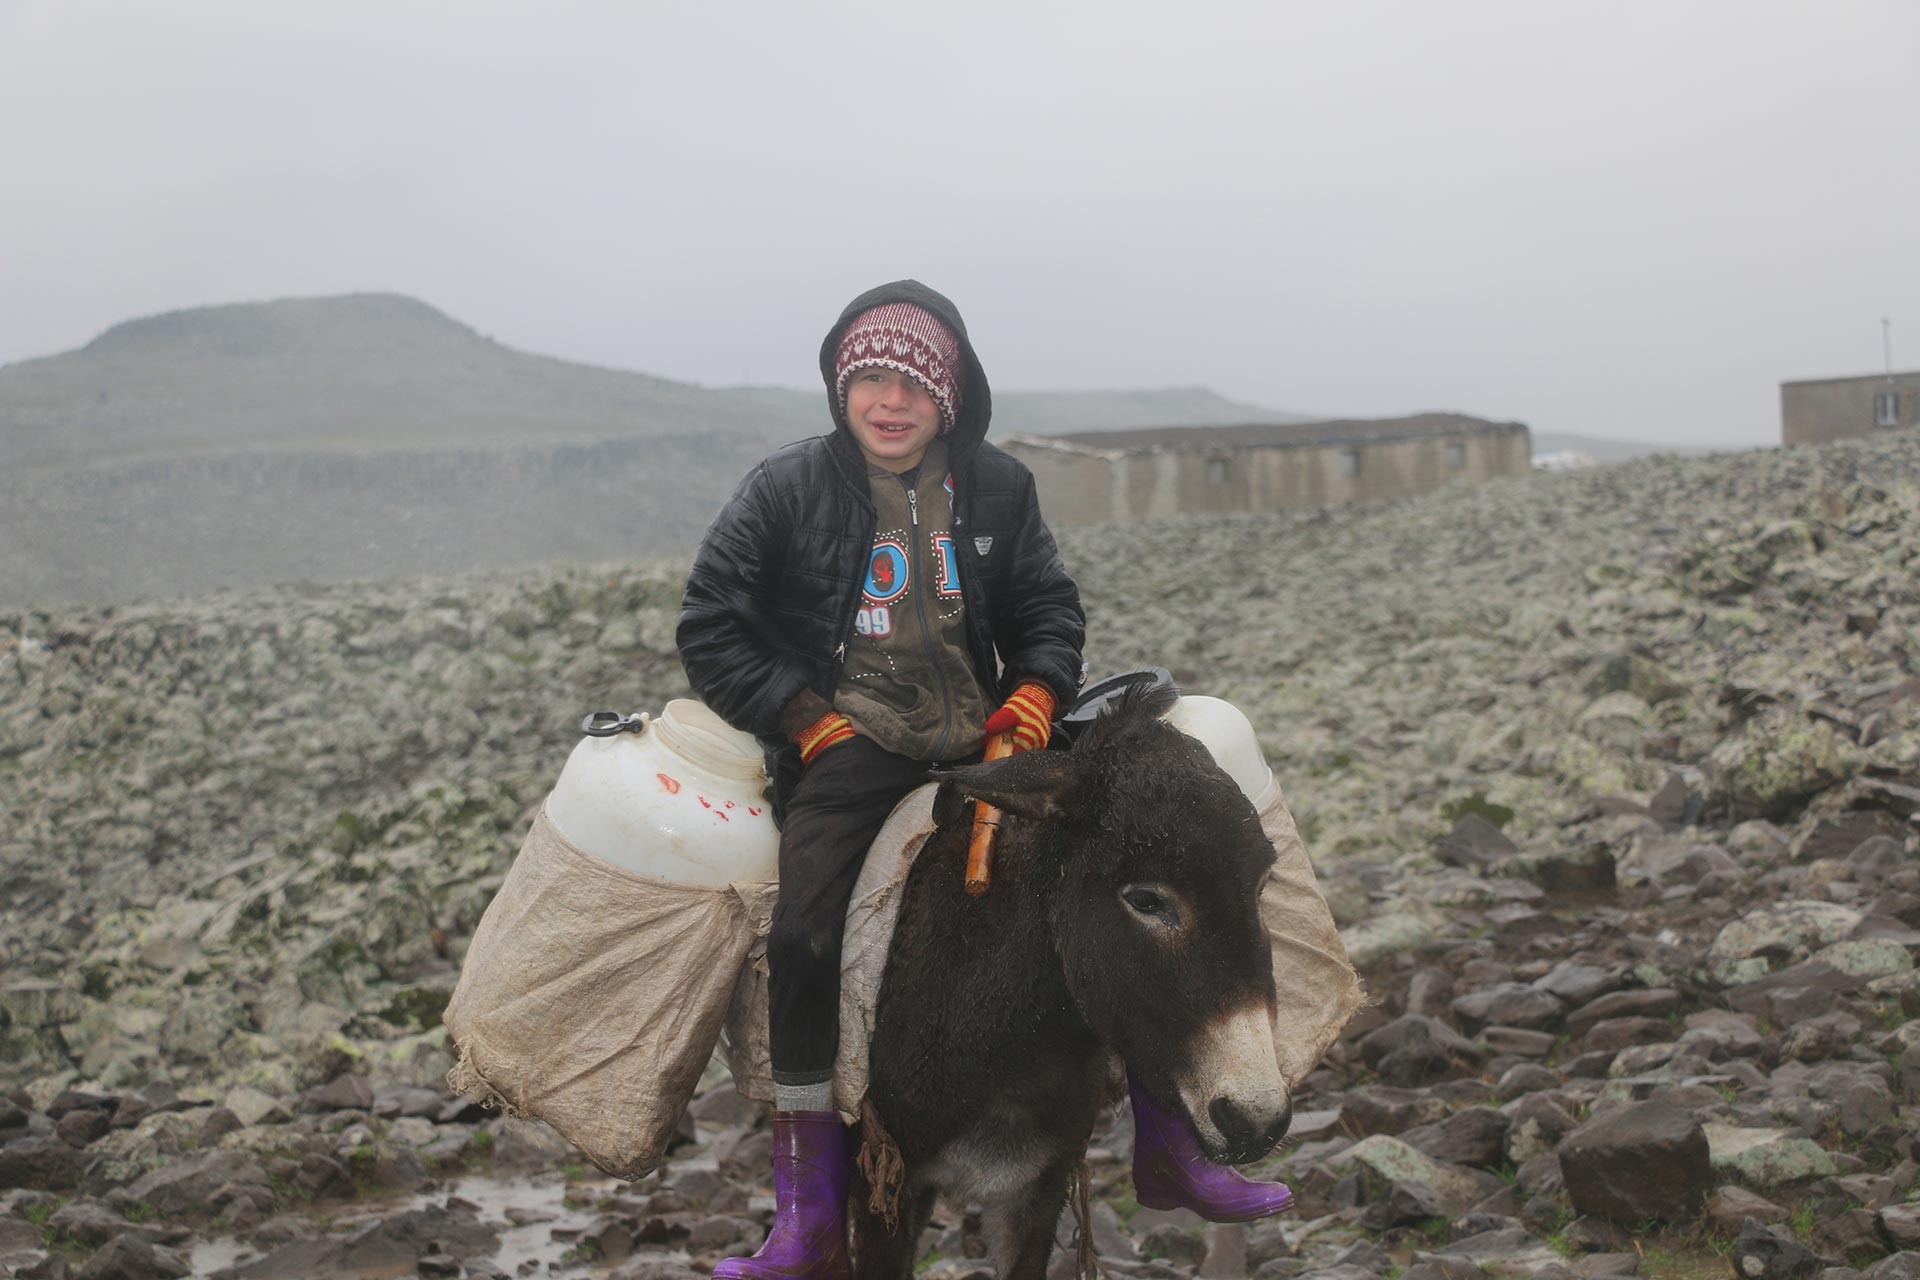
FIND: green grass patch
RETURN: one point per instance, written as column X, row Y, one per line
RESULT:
column 1454, row 810
column 1682, row 1253
column 286, row 1192
column 1658, row 1262
column 58, row 1241
column 584, row 1252
column 415, row 1008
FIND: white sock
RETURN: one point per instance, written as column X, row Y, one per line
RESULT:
column 803, row 1097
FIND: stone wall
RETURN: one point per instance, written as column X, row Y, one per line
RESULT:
column 1080, row 485
column 1843, row 408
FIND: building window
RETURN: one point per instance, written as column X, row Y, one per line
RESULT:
column 1217, row 470
column 1886, row 408
column 1456, row 455
column 1350, row 463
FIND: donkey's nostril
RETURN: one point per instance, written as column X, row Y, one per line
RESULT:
column 1249, row 1134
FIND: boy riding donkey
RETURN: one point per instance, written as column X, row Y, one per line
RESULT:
column 869, row 603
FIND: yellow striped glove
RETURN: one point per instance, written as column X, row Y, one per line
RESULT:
column 829, row 730
column 1027, row 714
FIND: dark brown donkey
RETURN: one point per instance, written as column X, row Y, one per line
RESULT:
column 1123, row 920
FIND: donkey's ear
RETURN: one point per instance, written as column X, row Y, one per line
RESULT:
column 1033, row 784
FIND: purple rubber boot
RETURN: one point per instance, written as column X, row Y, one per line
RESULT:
column 812, row 1166
column 1171, row 1172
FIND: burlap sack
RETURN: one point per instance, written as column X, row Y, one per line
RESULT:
column 1316, row 988
column 591, row 997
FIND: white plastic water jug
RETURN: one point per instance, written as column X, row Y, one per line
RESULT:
column 681, row 800
column 1225, row 731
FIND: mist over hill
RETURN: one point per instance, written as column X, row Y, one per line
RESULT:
column 365, row 372
column 369, row 436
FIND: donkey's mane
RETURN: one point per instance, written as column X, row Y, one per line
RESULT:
column 1134, row 715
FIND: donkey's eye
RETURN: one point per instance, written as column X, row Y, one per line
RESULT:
column 1148, row 902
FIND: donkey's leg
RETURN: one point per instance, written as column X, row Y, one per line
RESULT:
column 880, row 1254
column 1020, row 1228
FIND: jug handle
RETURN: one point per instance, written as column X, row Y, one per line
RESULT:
column 605, row 724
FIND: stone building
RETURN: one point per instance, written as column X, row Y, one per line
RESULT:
column 1094, row 476
column 1822, row 409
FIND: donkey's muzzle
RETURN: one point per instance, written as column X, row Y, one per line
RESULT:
column 1248, row 1132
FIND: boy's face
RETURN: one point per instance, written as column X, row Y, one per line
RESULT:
column 892, row 417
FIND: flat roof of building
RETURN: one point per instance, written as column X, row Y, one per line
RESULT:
column 1858, row 377
column 1288, row 435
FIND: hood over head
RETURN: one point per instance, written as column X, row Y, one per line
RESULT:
column 976, row 397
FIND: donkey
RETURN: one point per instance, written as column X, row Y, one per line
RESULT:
column 1123, row 919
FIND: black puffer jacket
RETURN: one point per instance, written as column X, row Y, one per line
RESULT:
column 770, row 604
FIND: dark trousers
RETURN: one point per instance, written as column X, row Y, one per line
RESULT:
column 842, row 800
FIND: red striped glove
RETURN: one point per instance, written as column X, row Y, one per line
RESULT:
column 1027, row 714
column 829, row 730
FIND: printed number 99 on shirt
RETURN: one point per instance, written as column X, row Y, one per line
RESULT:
column 874, row 620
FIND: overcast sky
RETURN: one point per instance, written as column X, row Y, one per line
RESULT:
column 1622, row 219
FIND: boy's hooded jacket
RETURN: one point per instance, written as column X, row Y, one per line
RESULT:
column 771, row 601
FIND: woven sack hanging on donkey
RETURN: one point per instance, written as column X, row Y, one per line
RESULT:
column 592, row 997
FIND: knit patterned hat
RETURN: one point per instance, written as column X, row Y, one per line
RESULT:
column 909, row 340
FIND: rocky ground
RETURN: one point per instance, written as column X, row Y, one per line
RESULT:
column 1611, row 775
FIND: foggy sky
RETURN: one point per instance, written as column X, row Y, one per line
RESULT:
column 1620, row 219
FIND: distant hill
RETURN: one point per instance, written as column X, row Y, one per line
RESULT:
column 364, row 372
column 325, row 439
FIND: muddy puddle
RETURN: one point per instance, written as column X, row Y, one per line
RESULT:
column 536, row 1224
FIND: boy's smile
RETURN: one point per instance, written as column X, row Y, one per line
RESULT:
column 892, row 417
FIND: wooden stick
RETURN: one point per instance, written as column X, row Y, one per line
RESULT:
column 986, row 824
